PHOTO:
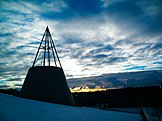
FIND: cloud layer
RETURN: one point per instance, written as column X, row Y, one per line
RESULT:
column 93, row 37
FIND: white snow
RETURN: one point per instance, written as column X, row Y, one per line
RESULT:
column 19, row 109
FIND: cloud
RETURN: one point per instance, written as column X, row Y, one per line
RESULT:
column 140, row 15
column 69, row 9
column 92, row 37
column 85, row 8
column 120, row 80
column 124, row 9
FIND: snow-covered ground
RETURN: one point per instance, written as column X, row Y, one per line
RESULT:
column 152, row 113
column 19, row 109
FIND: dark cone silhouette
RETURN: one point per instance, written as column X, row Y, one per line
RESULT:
column 46, row 82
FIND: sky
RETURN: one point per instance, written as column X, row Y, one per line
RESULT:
column 92, row 37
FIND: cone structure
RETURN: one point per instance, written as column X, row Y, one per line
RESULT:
column 45, row 80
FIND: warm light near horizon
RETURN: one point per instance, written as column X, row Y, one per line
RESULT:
column 87, row 89
column 79, row 89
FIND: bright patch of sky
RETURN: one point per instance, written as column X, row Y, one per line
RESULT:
column 93, row 37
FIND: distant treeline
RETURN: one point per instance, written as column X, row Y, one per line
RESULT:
column 125, row 97
column 10, row 91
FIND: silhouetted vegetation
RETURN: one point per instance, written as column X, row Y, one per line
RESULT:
column 126, row 97
column 11, row 91
column 150, row 96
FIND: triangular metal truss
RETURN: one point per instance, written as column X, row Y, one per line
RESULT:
column 48, row 54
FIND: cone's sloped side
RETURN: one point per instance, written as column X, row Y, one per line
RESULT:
column 47, row 83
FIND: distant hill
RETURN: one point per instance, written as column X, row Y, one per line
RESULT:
column 127, row 79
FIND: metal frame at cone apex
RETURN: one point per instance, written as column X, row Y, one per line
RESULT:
column 47, row 83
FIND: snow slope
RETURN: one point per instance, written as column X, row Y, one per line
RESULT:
column 19, row 109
